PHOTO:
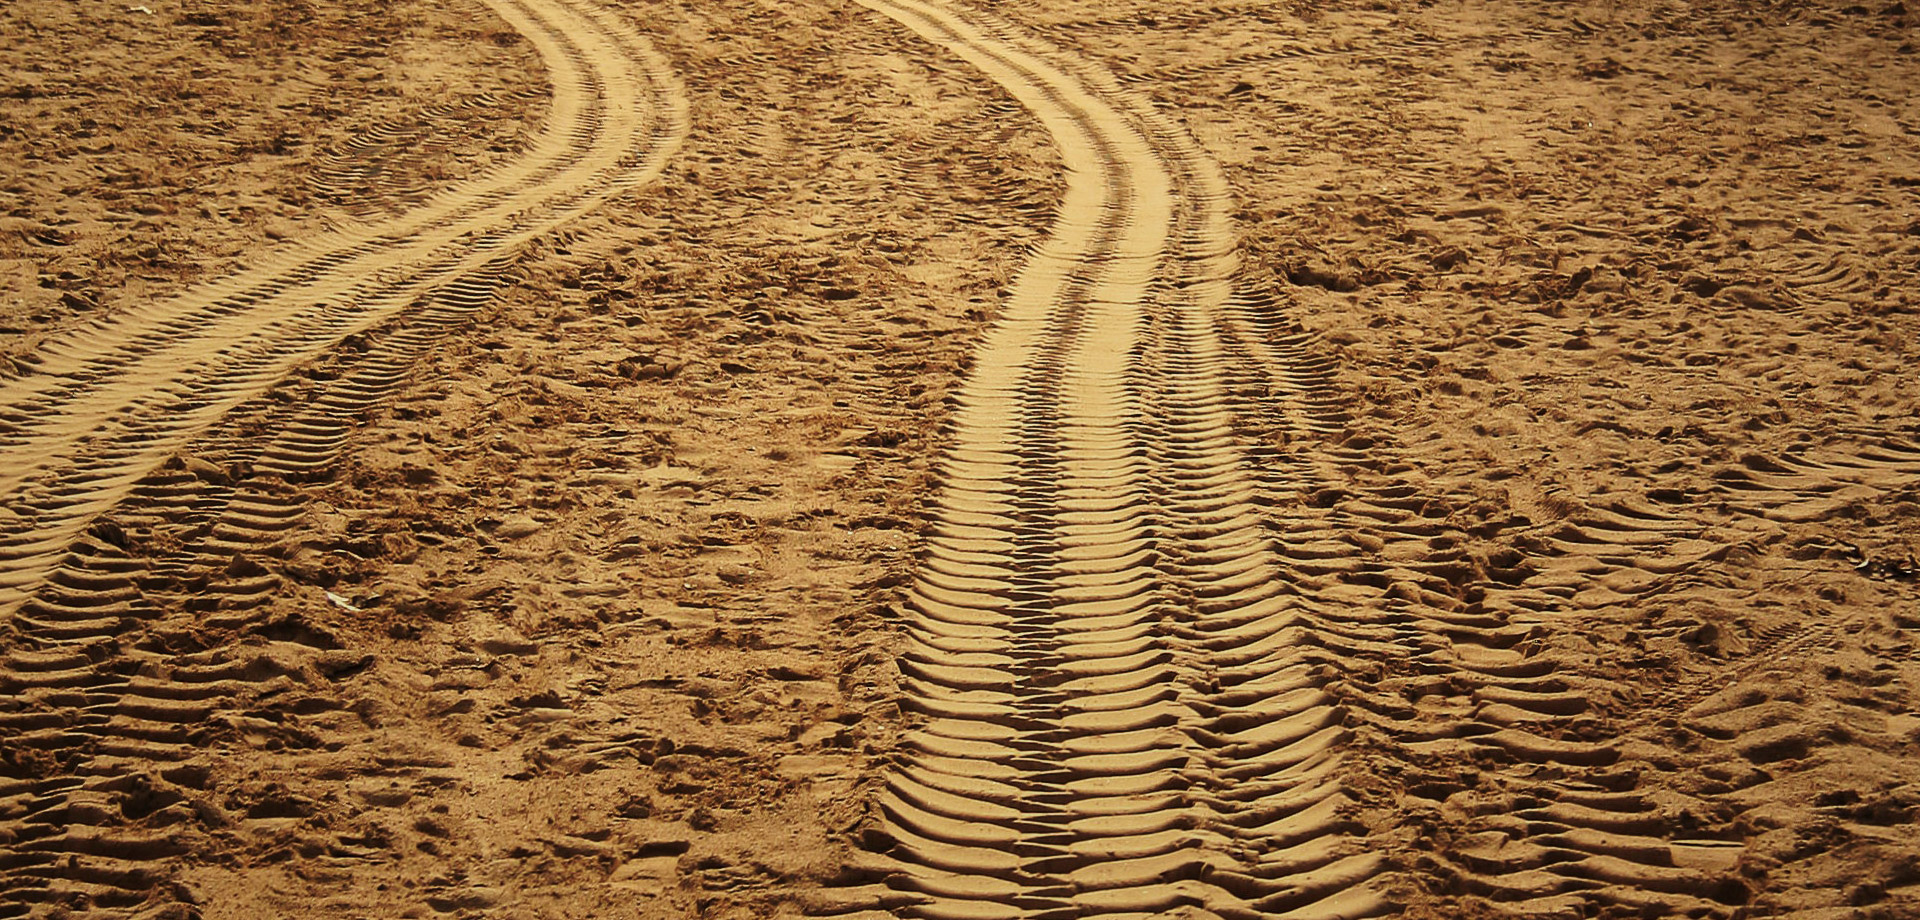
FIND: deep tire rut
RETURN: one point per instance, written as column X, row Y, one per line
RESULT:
column 1125, row 712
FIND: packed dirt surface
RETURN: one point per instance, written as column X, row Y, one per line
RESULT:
column 920, row 458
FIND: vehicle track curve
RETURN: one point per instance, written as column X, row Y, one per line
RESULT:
column 99, row 795
column 105, row 404
column 1125, row 709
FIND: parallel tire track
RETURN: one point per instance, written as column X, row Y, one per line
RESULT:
column 1126, row 711
column 105, row 404
column 103, row 720
column 1119, row 549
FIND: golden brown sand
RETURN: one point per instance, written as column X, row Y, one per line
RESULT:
column 546, row 458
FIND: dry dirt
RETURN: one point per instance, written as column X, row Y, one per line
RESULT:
column 561, row 458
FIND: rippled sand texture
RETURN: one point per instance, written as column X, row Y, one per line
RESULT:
column 931, row 459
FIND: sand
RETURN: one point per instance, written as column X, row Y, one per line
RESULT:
column 912, row 458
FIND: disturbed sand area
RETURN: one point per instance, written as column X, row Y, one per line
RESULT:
column 1515, row 466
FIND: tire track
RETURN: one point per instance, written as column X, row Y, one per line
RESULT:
column 1524, row 759
column 1607, row 837
column 365, row 173
column 105, row 704
column 1124, row 707
column 107, row 403
column 1531, row 777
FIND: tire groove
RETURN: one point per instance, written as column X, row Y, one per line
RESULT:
column 1096, row 508
column 298, row 312
column 85, row 617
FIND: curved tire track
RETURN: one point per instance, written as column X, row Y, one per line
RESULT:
column 107, row 403
column 1125, row 708
column 101, row 716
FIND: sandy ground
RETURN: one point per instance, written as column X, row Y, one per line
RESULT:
column 147, row 150
column 599, row 599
